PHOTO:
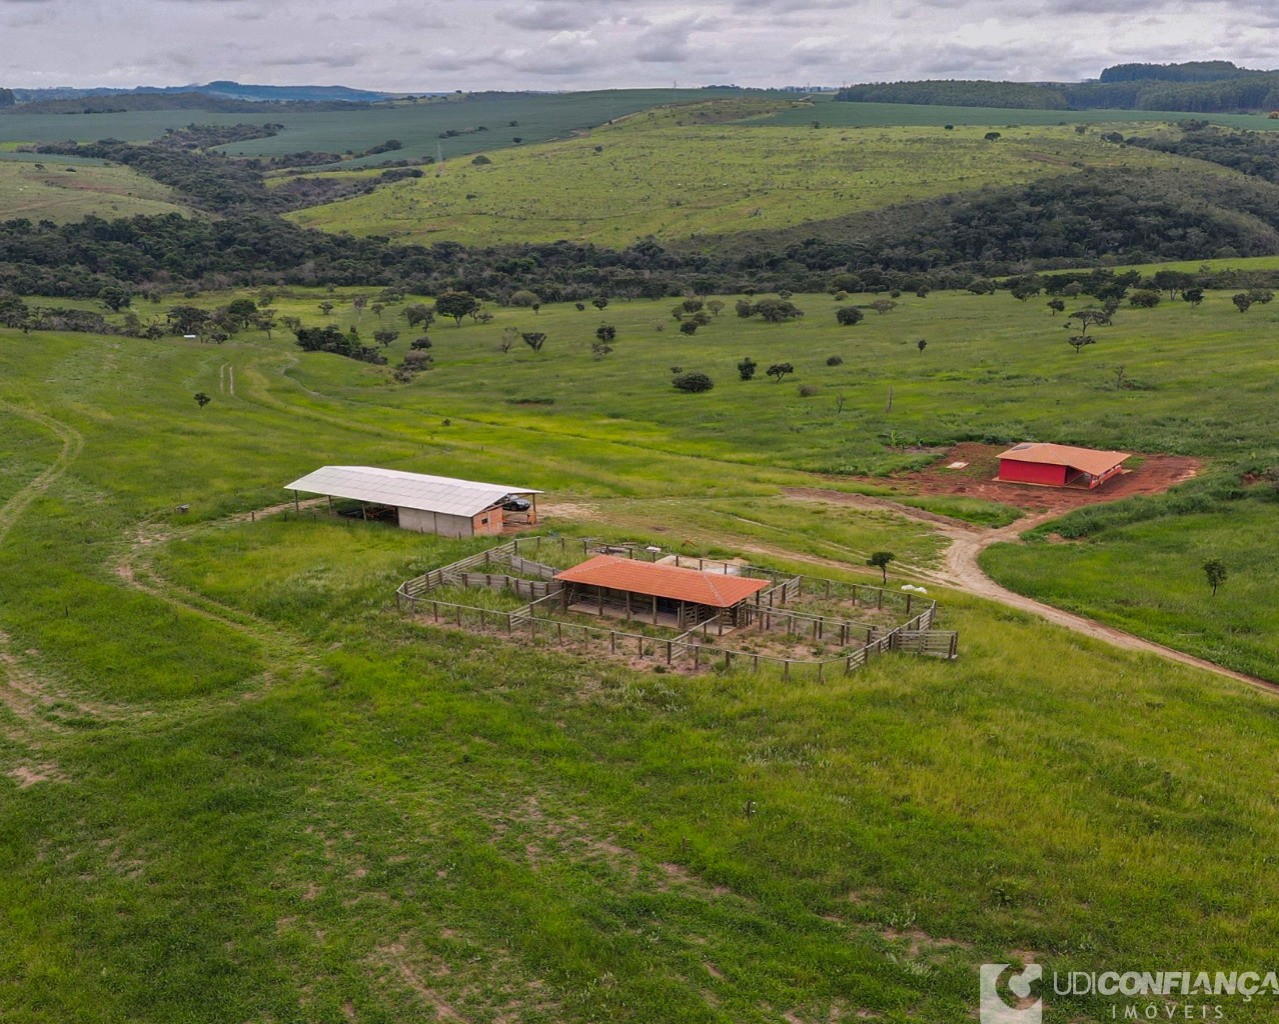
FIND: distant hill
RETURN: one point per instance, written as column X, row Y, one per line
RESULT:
column 223, row 89
column 121, row 102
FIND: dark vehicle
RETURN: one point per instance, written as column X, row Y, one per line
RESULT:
column 517, row 505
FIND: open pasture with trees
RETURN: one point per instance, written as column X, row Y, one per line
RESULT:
column 1141, row 567
column 650, row 176
column 63, row 192
column 226, row 756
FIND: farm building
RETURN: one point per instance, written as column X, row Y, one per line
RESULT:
column 1059, row 465
column 660, row 594
column 425, row 504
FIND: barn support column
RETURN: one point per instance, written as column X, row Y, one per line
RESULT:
column 533, row 518
column 654, row 610
column 601, row 605
column 296, row 506
column 628, row 605
column 330, row 504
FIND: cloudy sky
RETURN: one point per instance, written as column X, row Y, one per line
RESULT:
column 414, row 45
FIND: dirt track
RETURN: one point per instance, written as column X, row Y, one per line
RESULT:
column 963, row 572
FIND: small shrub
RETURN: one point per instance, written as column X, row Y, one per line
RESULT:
column 694, row 383
column 835, row 361
column 808, row 390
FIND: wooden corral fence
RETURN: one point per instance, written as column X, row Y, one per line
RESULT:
column 538, row 623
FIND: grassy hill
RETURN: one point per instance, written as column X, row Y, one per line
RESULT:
column 423, row 127
column 652, row 176
column 65, row 191
column 224, row 754
column 832, row 114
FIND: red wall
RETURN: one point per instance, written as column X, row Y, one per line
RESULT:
column 1031, row 473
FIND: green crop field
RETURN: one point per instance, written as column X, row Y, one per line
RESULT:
column 63, row 192
column 237, row 785
column 422, row 127
column 650, row 176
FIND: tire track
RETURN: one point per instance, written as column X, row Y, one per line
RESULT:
column 72, row 445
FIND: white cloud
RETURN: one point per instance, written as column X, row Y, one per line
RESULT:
column 423, row 45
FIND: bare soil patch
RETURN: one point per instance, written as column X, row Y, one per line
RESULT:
column 1153, row 474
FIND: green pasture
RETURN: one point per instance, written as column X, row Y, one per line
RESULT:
column 1147, row 577
column 63, row 192
column 651, row 176
column 829, row 112
column 261, row 794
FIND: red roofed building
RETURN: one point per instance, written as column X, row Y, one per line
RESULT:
column 1059, row 465
column 661, row 594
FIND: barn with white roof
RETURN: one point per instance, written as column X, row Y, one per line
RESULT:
column 423, row 503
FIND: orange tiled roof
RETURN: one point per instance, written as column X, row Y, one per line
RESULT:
column 708, row 588
column 1087, row 460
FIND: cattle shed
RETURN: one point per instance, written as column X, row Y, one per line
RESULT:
column 660, row 594
column 422, row 503
column 1059, row 465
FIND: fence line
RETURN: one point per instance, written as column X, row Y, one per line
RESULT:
column 537, row 618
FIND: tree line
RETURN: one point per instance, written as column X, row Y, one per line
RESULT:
column 1250, row 92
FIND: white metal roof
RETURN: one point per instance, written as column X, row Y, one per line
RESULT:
column 406, row 490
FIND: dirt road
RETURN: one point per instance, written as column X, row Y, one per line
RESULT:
column 963, row 572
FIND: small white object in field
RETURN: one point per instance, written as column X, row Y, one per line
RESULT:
column 958, row 465
column 652, row 549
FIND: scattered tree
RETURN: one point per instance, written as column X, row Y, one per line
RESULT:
column 882, row 306
column 835, row 361
column 1078, row 341
column 1216, row 573
column 599, row 302
column 779, row 370
column 1193, row 295
column 1146, row 298
column 509, row 336
column 384, row 338
column 921, row 344
column 534, row 340
column 688, row 327
column 1242, row 301
column 606, row 332
column 715, row 306
column 1057, row 306
column 849, row 316
column 879, row 560
column 420, row 344
column 418, row 313
column 201, row 399
column 326, row 308
column 457, row 305
column 746, row 368
column 1090, row 318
